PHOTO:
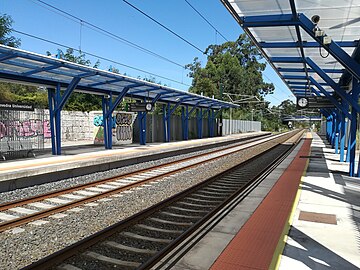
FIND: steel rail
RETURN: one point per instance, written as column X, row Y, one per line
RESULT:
column 57, row 209
column 41, row 197
column 77, row 247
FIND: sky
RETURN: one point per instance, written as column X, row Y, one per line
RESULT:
column 118, row 18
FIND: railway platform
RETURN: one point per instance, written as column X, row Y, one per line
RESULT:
column 304, row 215
column 80, row 160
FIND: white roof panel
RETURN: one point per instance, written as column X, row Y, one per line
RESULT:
column 339, row 19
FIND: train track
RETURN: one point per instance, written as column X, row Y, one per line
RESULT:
column 23, row 211
column 142, row 240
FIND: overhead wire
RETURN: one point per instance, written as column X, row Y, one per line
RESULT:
column 102, row 31
column 163, row 26
column 278, row 87
column 206, row 20
column 99, row 57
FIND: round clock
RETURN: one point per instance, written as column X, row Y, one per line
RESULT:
column 148, row 107
column 302, row 102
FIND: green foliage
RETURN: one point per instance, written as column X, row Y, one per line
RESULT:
column 23, row 94
column 5, row 30
column 287, row 107
column 80, row 101
column 232, row 67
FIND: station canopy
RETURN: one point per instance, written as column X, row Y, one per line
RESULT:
column 287, row 47
column 21, row 66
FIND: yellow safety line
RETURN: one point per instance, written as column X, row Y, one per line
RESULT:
column 275, row 263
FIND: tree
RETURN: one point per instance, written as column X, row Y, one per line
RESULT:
column 287, row 107
column 232, row 67
column 79, row 101
column 5, row 31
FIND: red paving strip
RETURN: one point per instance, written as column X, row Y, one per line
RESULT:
column 254, row 246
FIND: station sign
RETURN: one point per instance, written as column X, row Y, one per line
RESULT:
column 12, row 106
column 140, row 107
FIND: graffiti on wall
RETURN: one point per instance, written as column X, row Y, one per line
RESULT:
column 25, row 128
column 121, row 124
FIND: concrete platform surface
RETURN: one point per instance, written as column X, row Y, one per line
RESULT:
column 325, row 229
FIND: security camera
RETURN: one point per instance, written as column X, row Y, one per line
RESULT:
column 318, row 33
column 315, row 19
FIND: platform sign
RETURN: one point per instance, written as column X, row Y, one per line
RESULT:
column 140, row 107
column 312, row 102
column 12, row 106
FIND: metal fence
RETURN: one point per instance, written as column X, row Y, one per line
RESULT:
column 155, row 128
column 21, row 133
column 240, row 126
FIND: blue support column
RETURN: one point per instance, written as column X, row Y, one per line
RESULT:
column 56, row 103
column 105, row 106
column 185, row 122
column 211, row 123
column 199, row 123
column 328, row 127
column 51, row 99
column 108, row 108
column 58, row 121
column 343, row 126
column 352, row 142
column 142, row 124
column 166, row 119
column 164, row 122
column 109, row 119
column 333, row 134
column 337, row 132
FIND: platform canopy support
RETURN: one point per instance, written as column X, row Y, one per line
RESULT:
column 343, row 128
column 24, row 67
column 56, row 104
column 199, row 122
column 297, row 72
column 108, row 107
column 185, row 122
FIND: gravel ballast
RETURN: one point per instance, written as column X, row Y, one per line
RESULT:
column 36, row 241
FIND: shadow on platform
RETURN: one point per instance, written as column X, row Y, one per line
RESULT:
column 313, row 254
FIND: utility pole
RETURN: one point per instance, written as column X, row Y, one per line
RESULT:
column 221, row 115
column 252, row 119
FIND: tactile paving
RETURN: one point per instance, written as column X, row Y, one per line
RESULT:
column 254, row 246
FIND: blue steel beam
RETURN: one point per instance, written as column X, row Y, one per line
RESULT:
column 302, row 83
column 353, row 102
column 294, row 77
column 7, row 57
column 299, row 39
column 306, row 44
column 105, row 82
column 330, row 97
column 173, row 95
column 296, row 87
column 74, row 82
column 269, row 20
column 117, row 101
column 327, row 70
column 286, row 60
column 31, row 72
column 333, row 48
column 143, row 90
column 156, row 98
column 308, row 26
column 87, row 74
